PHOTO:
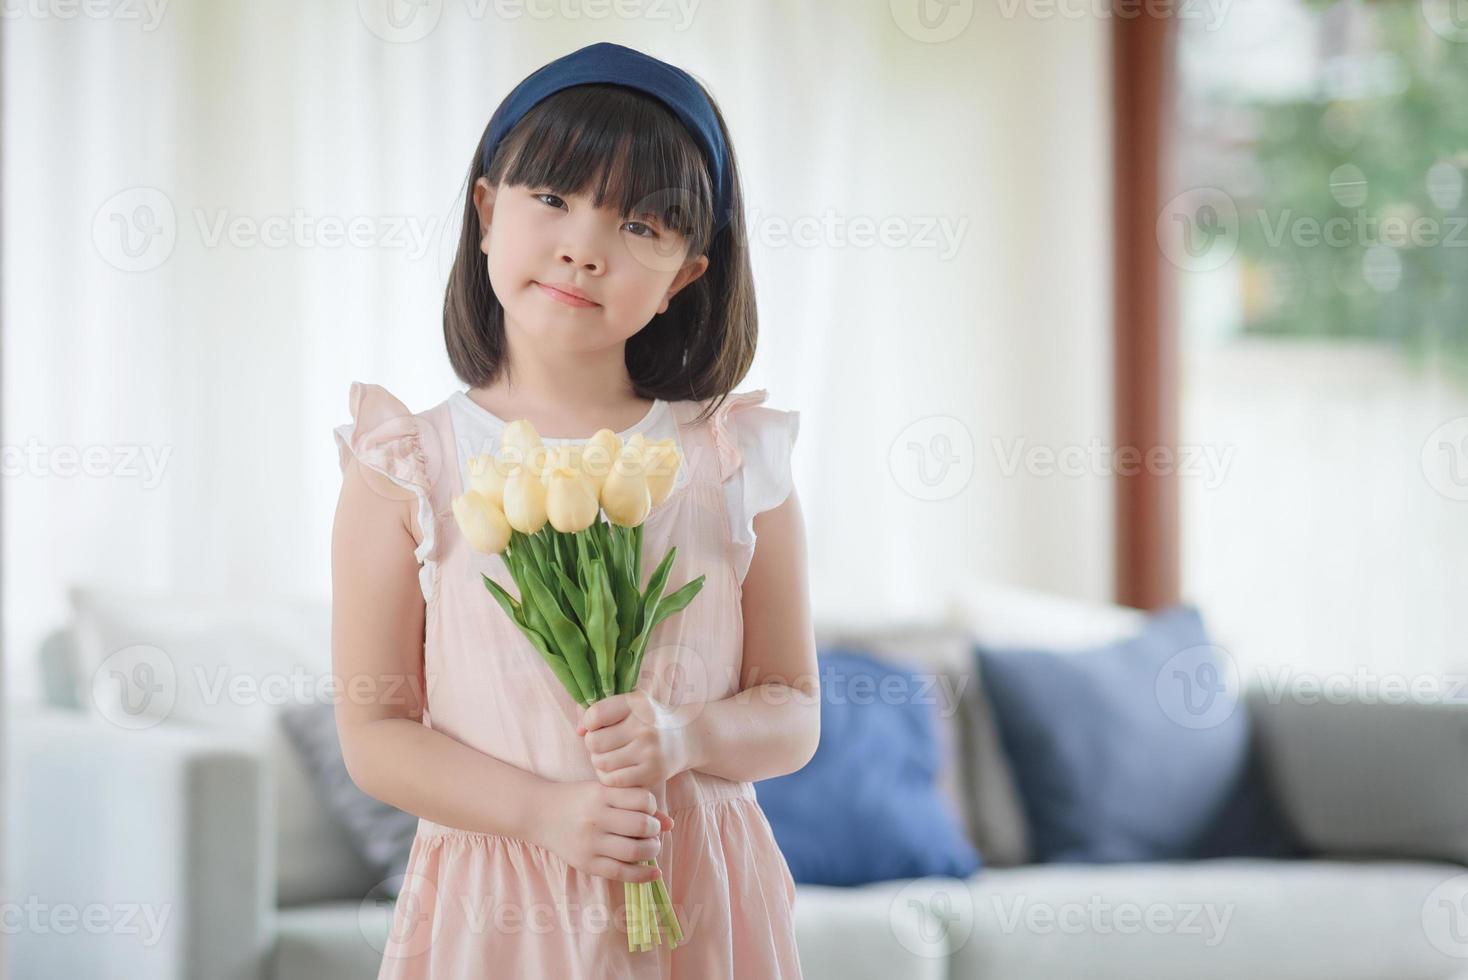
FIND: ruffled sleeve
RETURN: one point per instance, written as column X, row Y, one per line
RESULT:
column 385, row 436
column 754, row 444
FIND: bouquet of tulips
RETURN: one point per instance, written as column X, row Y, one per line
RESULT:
column 582, row 603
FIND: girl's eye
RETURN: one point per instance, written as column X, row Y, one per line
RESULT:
column 648, row 231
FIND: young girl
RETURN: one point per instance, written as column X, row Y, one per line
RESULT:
column 602, row 281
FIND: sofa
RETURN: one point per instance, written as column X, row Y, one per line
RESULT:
column 188, row 842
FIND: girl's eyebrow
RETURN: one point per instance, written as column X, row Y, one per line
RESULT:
column 646, row 214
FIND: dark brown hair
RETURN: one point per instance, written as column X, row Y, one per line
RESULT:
column 637, row 154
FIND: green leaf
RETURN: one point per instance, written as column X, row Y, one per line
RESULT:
column 565, row 551
column 655, row 586
column 613, row 550
column 675, row 602
column 572, row 593
column 583, row 557
column 507, row 602
column 553, row 660
column 570, row 642
column 629, row 604
column 627, row 679
column 558, row 666
column 597, row 632
column 637, row 555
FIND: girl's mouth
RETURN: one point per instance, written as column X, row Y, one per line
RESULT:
column 561, row 297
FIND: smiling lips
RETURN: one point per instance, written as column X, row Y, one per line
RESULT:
column 565, row 295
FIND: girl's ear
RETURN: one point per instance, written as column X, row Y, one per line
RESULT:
column 484, row 194
column 690, row 271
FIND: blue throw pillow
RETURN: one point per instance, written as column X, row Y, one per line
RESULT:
column 1139, row 750
column 867, row 807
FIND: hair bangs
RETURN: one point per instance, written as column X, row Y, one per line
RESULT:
column 625, row 151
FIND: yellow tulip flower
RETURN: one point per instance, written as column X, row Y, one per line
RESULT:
column 571, row 503
column 663, row 460
column 525, row 500
column 482, row 522
column 520, row 445
column 598, row 456
column 560, row 456
column 625, row 495
column 487, row 475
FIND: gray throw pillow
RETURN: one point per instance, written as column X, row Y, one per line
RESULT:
column 380, row 833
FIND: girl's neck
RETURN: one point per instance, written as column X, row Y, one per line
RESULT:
column 562, row 412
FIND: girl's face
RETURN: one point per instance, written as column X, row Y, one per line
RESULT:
column 538, row 243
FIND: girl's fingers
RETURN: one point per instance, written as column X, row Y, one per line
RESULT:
column 616, row 759
column 635, row 799
column 632, row 823
column 638, row 775
column 630, row 849
column 622, row 871
column 611, row 737
column 607, row 711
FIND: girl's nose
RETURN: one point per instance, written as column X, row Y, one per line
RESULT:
column 583, row 255
column 592, row 266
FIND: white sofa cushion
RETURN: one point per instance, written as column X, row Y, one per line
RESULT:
column 1215, row 920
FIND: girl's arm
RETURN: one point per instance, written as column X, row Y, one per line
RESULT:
column 377, row 617
column 771, row 727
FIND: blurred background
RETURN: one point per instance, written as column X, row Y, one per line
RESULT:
column 1093, row 312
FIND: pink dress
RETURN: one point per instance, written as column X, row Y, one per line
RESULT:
column 477, row 905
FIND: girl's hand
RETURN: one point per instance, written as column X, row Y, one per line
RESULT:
column 635, row 740
column 604, row 830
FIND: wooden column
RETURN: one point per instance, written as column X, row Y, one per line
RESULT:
column 1145, row 326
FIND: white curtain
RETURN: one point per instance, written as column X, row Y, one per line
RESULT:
column 202, row 379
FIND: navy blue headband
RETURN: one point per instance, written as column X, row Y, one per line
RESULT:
column 617, row 65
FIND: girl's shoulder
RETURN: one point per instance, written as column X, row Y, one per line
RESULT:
column 386, row 435
column 744, row 424
column 755, row 444
column 406, row 448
